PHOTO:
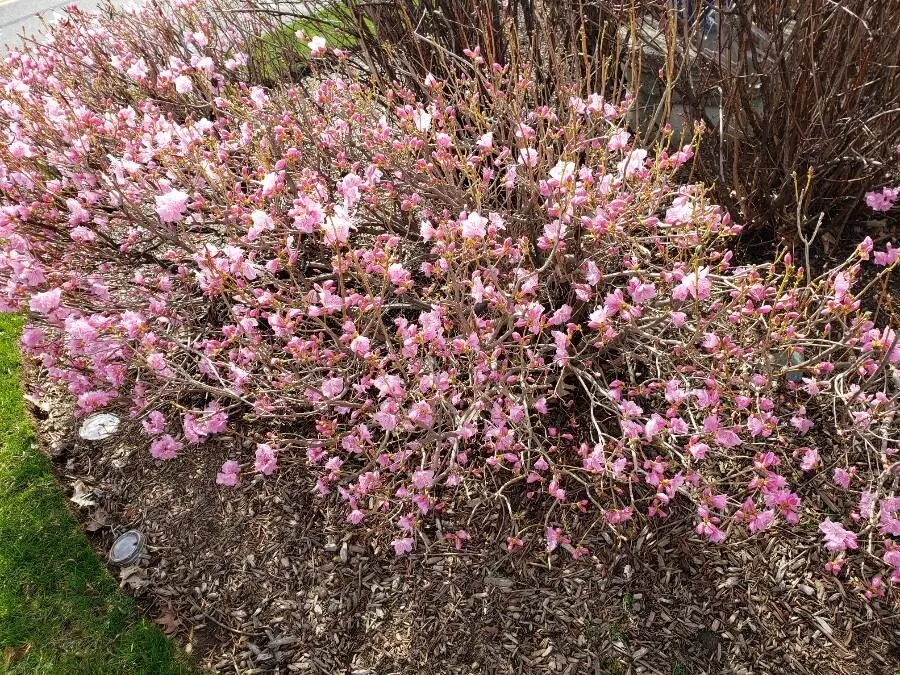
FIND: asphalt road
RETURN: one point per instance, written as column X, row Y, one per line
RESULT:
column 21, row 16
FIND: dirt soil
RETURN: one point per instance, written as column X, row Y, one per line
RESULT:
column 263, row 579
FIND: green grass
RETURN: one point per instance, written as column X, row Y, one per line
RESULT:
column 278, row 55
column 60, row 610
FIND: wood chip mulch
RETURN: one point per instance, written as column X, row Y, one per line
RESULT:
column 259, row 579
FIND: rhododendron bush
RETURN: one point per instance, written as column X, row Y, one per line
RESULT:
column 422, row 306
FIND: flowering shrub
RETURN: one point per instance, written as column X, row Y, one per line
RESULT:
column 420, row 317
column 716, row 61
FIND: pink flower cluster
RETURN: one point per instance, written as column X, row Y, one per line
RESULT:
column 882, row 200
column 408, row 301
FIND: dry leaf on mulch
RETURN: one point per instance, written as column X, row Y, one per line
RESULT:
column 82, row 495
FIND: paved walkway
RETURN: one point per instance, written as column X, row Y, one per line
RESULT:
column 21, row 16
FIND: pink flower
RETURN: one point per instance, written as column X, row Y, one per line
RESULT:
column 761, row 521
column 165, row 447
column 183, row 84
column 525, row 131
column 711, row 341
column 883, row 200
column 215, row 420
column 561, row 340
column 405, row 523
column 402, row 546
column 785, row 501
column 618, row 140
column 810, row 459
column 694, row 284
column 561, row 316
column 514, row 543
column 892, row 559
column 459, row 538
column 639, row 291
column 421, row 120
column 887, row 257
column 44, row 303
column 614, row 302
column 82, row 235
column 93, row 400
column 516, row 413
column 421, row 414
column 698, row 450
column 553, row 232
column 633, row 163
column 170, row 206
column 716, row 501
column 337, row 226
column 616, row 516
column 865, row 248
column 81, row 329
column 760, row 425
column 205, row 64
column 332, row 387
column 889, row 522
column 553, row 538
column 708, row 528
column 836, row 537
column 193, row 431
column 528, row 157
column 474, row 226
column 486, row 141
column 556, row 491
column 229, row 474
column 386, row 420
column 423, row 479
column 765, row 460
column 261, row 221
column 269, row 183
column 727, row 438
column 20, row 149
column 33, row 337
column 654, row 425
column 77, row 213
column 355, row 517
column 427, row 230
column 842, row 283
column 678, row 319
column 842, row 478
column 563, row 171
column 801, row 423
column 360, row 346
column 266, row 462
column 258, row 97
column 866, row 505
column 317, row 46
column 154, row 424
column 592, row 273
column 398, row 275
column 757, row 521
column 881, row 341
column 835, row 566
column 138, row 70
column 875, row 588
column 157, row 362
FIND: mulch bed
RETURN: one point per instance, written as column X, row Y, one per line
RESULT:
column 264, row 579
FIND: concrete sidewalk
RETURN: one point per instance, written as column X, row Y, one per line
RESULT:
column 21, row 16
